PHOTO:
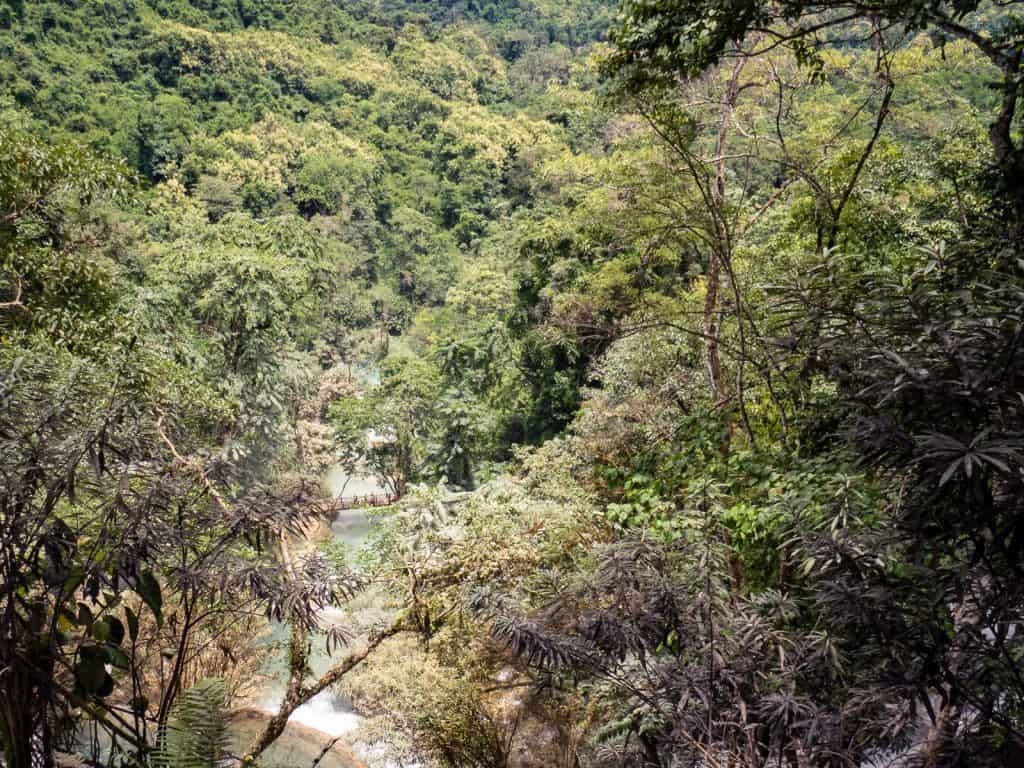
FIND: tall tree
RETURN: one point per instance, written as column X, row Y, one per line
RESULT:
column 666, row 39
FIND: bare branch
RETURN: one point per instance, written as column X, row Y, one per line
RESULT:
column 16, row 302
column 297, row 694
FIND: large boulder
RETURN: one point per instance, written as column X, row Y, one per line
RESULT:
column 297, row 746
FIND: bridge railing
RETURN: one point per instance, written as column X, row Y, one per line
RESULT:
column 365, row 500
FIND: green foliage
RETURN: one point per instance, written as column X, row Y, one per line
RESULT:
column 56, row 277
column 738, row 305
column 164, row 131
column 456, row 728
column 197, row 733
column 656, row 39
column 328, row 183
column 758, row 312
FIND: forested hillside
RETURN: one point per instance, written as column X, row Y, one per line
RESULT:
column 680, row 343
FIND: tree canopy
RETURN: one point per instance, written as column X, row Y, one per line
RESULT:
column 681, row 341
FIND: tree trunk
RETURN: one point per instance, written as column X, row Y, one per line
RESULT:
column 710, row 328
column 1009, row 157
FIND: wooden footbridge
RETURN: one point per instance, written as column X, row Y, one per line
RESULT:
column 341, row 503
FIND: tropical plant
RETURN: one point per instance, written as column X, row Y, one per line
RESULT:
column 197, row 732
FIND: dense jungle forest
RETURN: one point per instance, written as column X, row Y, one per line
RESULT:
column 512, row 383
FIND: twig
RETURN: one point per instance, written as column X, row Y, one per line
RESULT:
column 194, row 464
column 325, row 750
column 16, row 302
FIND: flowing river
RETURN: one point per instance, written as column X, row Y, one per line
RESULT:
column 315, row 725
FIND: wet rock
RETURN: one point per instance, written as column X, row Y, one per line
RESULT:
column 298, row 747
